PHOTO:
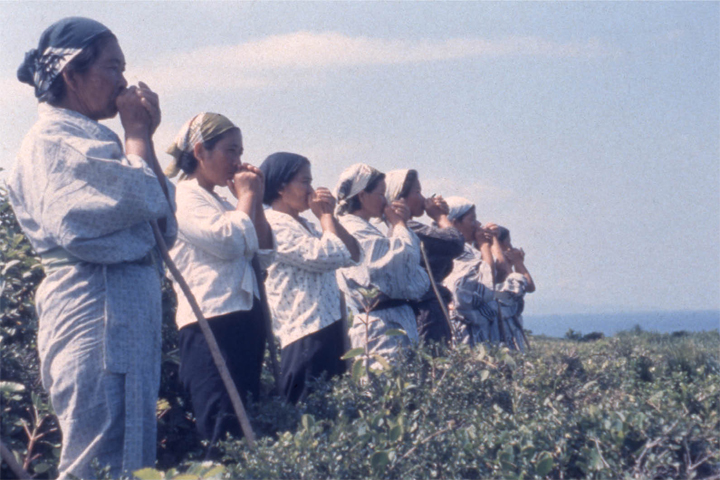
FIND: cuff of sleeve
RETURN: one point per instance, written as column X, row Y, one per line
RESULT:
column 242, row 223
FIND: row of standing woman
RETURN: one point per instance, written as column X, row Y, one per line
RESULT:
column 308, row 270
column 87, row 205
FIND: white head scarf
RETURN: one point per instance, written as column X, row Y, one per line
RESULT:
column 353, row 180
column 458, row 206
column 202, row 127
column 394, row 181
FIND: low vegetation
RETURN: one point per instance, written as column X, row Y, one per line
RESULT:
column 636, row 405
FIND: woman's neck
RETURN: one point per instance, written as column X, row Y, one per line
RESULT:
column 362, row 213
column 203, row 182
column 282, row 207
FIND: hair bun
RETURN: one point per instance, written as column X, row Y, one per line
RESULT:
column 26, row 71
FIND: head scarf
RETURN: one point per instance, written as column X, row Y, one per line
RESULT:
column 279, row 169
column 458, row 206
column 59, row 44
column 394, row 181
column 203, row 127
column 352, row 181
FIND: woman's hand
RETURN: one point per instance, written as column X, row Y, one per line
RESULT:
column 435, row 207
column 134, row 117
column 151, row 102
column 483, row 234
column 247, row 180
column 397, row 212
column 515, row 256
column 322, row 202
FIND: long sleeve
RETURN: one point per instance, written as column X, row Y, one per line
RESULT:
column 392, row 264
column 86, row 196
column 203, row 222
column 303, row 250
column 442, row 246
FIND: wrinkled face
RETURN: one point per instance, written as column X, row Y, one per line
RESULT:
column 98, row 87
column 374, row 201
column 296, row 193
column 415, row 200
column 219, row 165
column 467, row 225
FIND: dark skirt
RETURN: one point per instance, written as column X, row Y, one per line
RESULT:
column 310, row 357
column 241, row 338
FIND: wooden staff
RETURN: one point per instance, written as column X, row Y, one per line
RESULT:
column 267, row 315
column 437, row 292
column 207, row 332
column 9, row 458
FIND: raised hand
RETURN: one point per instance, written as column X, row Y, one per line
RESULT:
column 151, row 102
column 248, row 180
column 322, row 202
column 483, row 234
column 435, row 207
column 134, row 116
column 397, row 212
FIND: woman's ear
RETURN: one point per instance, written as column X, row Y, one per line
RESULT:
column 70, row 79
column 199, row 151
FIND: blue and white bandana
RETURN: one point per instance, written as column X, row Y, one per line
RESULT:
column 59, row 44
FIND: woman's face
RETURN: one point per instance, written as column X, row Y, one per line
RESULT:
column 467, row 225
column 373, row 202
column 297, row 192
column 97, row 89
column 219, row 165
column 415, row 200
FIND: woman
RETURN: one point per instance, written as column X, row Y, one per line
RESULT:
column 471, row 280
column 301, row 287
column 513, row 281
column 391, row 263
column 86, row 206
column 442, row 243
column 216, row 243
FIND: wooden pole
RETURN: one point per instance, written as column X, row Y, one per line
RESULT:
column 9, row 458
column 437, row 293
column 207, row 332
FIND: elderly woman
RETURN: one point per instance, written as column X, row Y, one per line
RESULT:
column 87, row 206
column 301, row 287
column 442, row 243
column 216, row 243
column 391, row 263
column 471, row 281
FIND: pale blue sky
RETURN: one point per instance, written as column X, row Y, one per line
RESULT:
column 591, row 130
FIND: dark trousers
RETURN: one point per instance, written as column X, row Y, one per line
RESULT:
column 241, row 338
column 431, row 322
column 309, row 357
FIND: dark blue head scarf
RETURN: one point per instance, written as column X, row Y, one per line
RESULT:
column 59, row 44
column 279, row 169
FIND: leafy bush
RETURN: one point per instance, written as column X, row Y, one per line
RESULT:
column 637, row 405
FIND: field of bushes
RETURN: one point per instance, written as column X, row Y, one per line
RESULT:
column 638, row 405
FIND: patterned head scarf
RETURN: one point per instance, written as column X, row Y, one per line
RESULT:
column 458, row 206
column 394, row 181
column 59, row 44
column 279, row 170
column 352, row 181
column 203, row 127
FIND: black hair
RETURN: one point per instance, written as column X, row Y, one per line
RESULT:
column 410, row 179
column 80, row 64
column 503, row 234
column 188, row 162
column 279, row 169
column 354, row 203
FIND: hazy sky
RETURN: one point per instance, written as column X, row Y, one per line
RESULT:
column 591, row 130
